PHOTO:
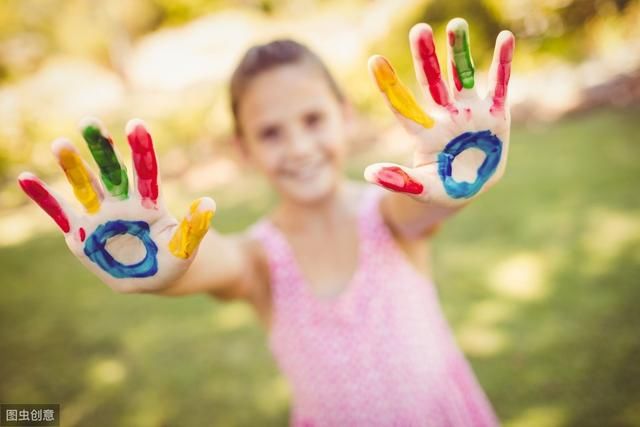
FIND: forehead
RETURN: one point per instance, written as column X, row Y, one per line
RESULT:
column 285, row 90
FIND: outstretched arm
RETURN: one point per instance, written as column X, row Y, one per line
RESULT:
column 226, row 267
column 462, row 142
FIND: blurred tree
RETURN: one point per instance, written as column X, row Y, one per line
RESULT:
column 557, row 27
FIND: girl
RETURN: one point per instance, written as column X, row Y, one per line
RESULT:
column 337, row 272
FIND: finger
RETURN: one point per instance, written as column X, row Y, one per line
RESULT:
column 500, row 71
column 54, row 206
column 461, row 68
column 427, row 67
column 397, row 94
column 193, row 227
column 144, row 161
column 396, row 178
column 84, row 184
column 112, row 171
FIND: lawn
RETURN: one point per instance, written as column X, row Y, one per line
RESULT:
column 540, row 279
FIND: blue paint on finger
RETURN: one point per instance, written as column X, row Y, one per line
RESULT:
column 95, row 249
column 483, row 140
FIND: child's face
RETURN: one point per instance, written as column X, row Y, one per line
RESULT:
column 294, row 129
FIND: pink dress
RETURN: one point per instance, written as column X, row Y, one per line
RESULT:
column 379, row 354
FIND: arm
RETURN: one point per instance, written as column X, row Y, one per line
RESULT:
column 461, row 145
column 412, row 219
column 225, row 267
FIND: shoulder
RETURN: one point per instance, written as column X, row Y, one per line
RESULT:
column 258, row 241
column 257, row 254
column 373, row 202
column 254, row 287
column 253, row 277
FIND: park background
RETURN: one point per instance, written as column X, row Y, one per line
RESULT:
column 539, row 277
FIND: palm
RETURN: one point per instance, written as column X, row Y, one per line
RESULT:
column 131, row 248
column 125, row 237
column 462, row 143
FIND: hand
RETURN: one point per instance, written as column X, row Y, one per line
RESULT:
column 463, row 142
column 125, row 235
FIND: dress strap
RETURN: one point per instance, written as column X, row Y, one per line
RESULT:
column 278, row 255
column 375, row 231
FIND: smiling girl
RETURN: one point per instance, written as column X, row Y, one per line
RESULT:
column 337, row 272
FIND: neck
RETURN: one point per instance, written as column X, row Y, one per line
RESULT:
column 325, row 213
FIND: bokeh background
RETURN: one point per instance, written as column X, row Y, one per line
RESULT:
column 540, row 277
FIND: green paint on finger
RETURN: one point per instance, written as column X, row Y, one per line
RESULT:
column 112, row 172
column 459, row 42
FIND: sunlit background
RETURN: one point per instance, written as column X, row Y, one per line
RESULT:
column 540, row 278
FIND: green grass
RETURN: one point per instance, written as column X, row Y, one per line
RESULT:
column 540, row 279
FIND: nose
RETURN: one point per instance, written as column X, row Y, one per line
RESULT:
column 301, row 143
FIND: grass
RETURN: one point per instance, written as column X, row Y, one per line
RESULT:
column 539, row 278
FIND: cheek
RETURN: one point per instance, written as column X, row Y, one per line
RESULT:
column 335, row 149
column 336, row 155
column 267, row 157
column 332, row 140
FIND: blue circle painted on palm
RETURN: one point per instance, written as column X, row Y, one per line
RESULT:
column 483, row 140
column 95, row 249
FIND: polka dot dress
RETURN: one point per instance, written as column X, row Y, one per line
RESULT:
column 379, row 354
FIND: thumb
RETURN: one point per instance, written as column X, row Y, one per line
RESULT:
column 192, row 228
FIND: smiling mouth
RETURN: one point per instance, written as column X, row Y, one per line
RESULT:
column 304, row 173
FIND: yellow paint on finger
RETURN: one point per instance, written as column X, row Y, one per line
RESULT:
column 397, row 93
column 190, row 231
column 80, row 179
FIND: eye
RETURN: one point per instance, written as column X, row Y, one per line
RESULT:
column 313, row 119
column 269, row 133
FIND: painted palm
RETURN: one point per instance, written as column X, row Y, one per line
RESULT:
column 463, row 139
column 125, row 235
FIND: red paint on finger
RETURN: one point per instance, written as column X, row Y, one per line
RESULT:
column 144, row 160
column 39, row 194
column 454, row 71
column 431, row 69
column 396, row 179
column 503, row 72
column 456, row 78
column 81, row 234
column 451, row 37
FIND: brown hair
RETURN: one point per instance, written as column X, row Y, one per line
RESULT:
column 264, row 57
